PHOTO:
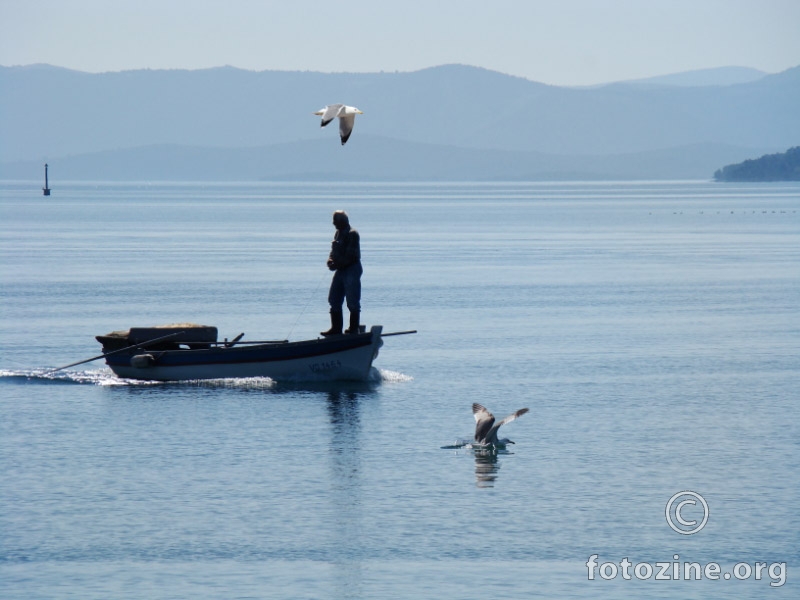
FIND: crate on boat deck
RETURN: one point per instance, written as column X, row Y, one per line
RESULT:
column 188, row 335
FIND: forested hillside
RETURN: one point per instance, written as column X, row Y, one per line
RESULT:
column 770, row 167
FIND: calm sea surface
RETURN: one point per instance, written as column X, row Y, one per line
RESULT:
column 653, row 329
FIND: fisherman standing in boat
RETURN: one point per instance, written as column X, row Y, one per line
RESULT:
column 345, row 261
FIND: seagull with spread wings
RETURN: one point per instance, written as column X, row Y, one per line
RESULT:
column 346, row 115
column 486, row 428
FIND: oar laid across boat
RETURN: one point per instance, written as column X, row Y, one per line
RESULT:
column 189, row 351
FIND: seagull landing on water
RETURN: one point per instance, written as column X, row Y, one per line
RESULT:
column 486, row 428
column 347, row 118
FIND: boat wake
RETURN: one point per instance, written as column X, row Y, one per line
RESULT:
column 106, row 377
column 45, row 376
column 241, row 383
column 386, row 376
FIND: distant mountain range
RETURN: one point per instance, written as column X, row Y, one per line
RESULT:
column 705, row 77
column 452, row 122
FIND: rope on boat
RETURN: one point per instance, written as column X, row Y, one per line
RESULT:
column 302, row 312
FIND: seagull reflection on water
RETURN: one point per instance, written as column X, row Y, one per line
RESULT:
column 486, row 460
column 486, row 467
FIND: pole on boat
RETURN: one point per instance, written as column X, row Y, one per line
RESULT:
column 399, row 333
column 135, row 346
column 46, row 188
column 234, row 341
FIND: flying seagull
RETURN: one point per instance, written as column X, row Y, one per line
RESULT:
column 347, row 118
column 486, row 428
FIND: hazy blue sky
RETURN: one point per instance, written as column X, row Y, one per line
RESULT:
column 562, row 42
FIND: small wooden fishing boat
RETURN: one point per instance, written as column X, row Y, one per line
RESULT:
column 188, row 351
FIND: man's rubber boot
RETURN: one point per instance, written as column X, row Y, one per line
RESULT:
column 337, row 321
column 354, row 318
